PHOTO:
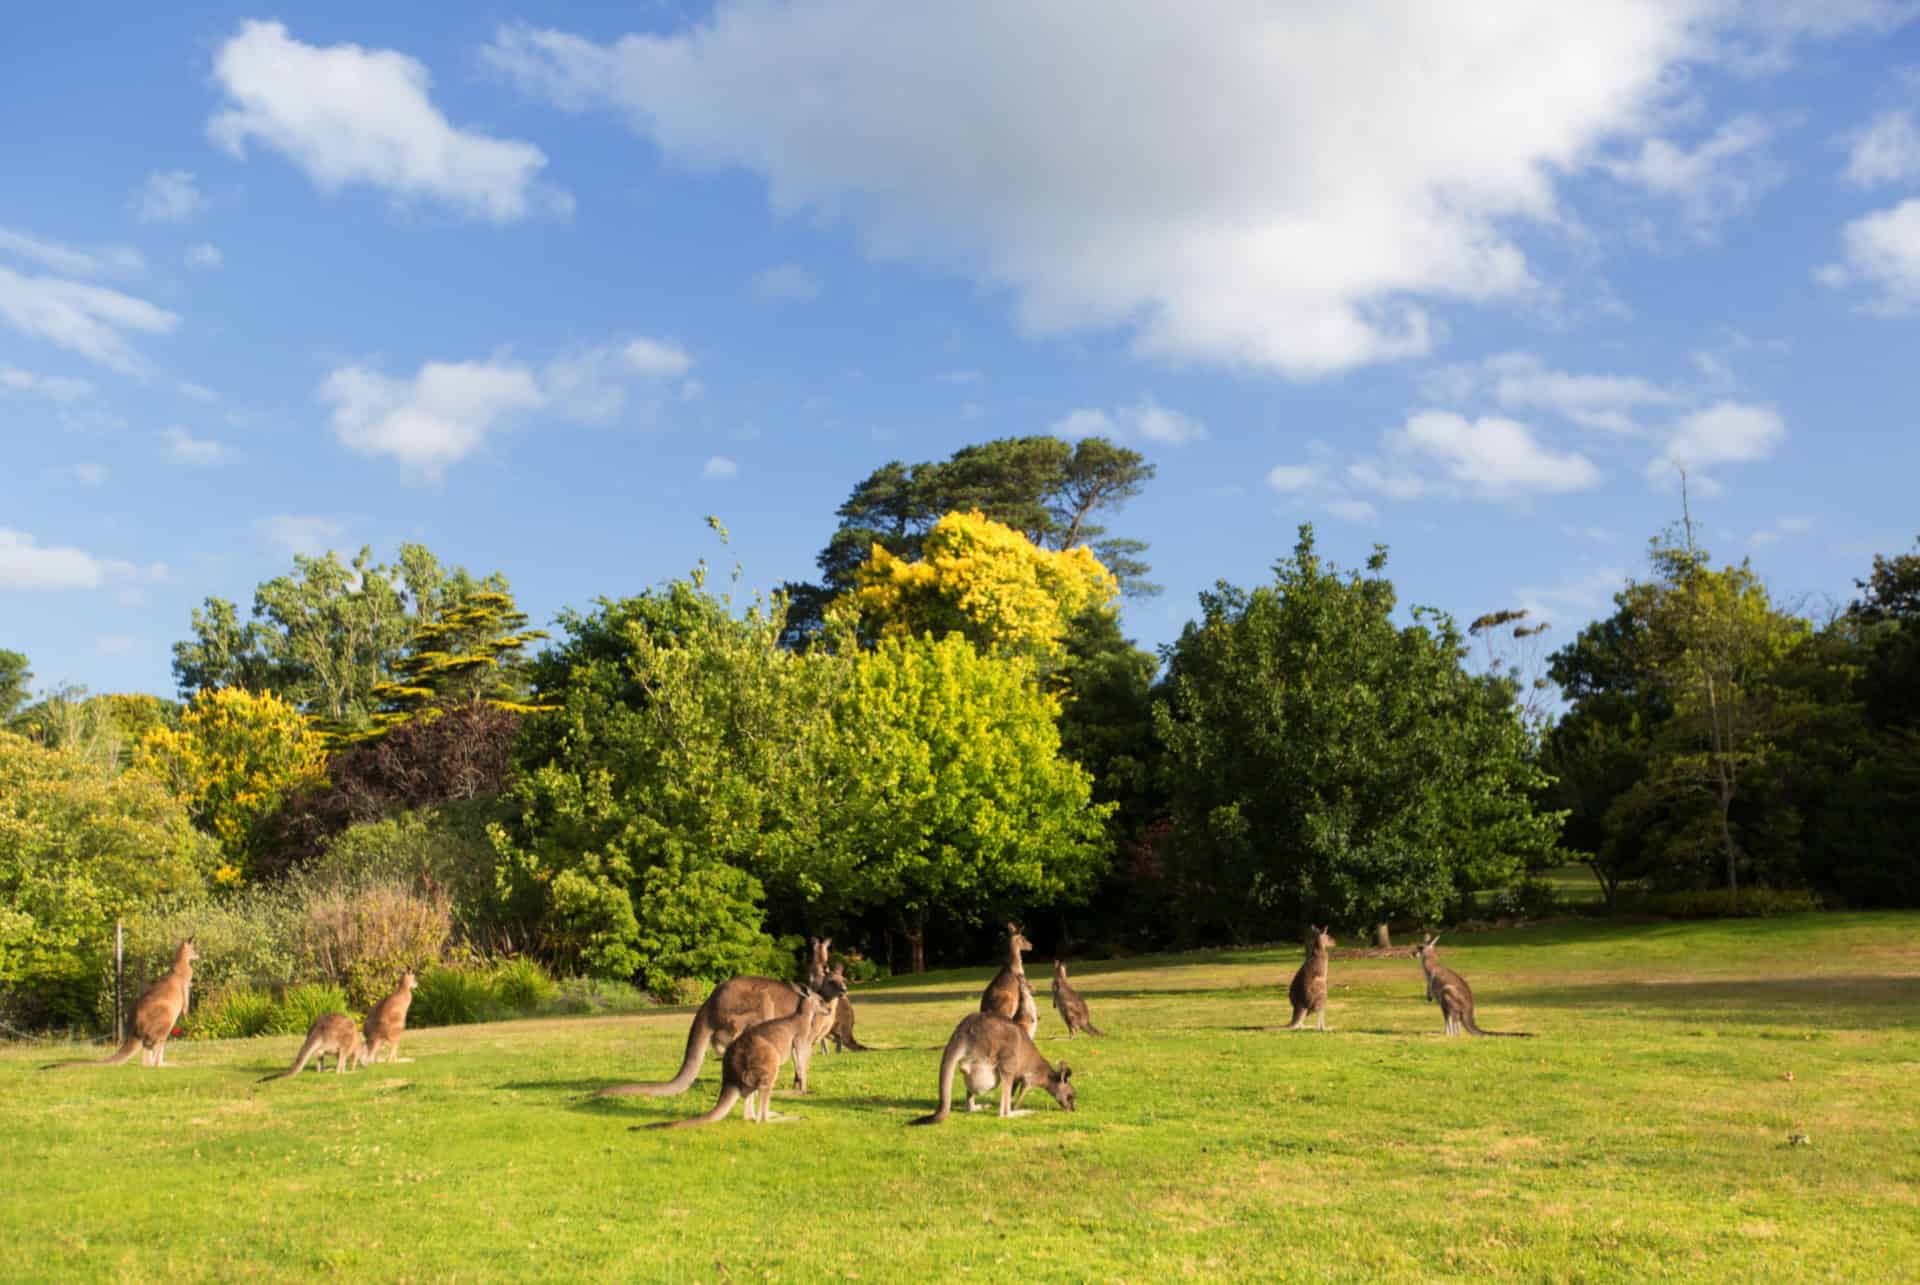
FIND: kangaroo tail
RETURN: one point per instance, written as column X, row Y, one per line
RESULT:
column 698, row 1037
column 1507, row 1035
column 124, row 1053
column 1299, row 1020
column 1091, row 1029
column 728, row 1096
column 948, row 1061
column 299, row 1062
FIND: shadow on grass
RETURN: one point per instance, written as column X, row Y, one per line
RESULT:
column 1873, row 1001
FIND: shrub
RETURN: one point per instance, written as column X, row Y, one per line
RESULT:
column 294, row 1012
column 244, row 940
column 861, row 969
column 1718, row 903
column 364, row 938
column 702, row 921
column 1528, row 897
column 237, row 1014
column 443, row 849
column 522, row 984
column 599, row 995
column 455, row 997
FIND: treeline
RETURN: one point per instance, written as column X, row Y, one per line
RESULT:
column 379, row 762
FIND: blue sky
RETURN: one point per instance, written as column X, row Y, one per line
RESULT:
column 542, row 288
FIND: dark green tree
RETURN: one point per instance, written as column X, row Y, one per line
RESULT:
column 15, row 681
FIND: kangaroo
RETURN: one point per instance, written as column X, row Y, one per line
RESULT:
column 330, row 1033
column 1073, row 1009
column 989, row 1049
column 841, row 1032
column 1309, row 989
column 1003, row 994
column 153, row 1015
column 387, row 1020
column 753, row 1062
column 735, row 1005
column 817, row 948
column 1450, row 991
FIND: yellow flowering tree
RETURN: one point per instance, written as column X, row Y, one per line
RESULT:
column 233, row 757
column 985, row 581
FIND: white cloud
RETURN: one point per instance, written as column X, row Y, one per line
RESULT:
column 1520, row 381
column 345, row 114
column 90, row 474
column 591, row 385
column 61, row 388
column 657, row 358
column 193, row 450
column 719, row 468
column 787, row 281
column 168, row 196
column 432, row 420
column 113, row 644
column 86, row 319
column 64, row 258
column 205, row 255
column 1353, row 510
column 1286, row 478
column 1342, row 166
column 1583, row 595
column 1492, row 457
column 1719, row 177
column 1724, row 433
column 1882, row 250
column 26, row 565
column 295, row 533
column 1887, row 150
column 1146, row 419
column 199, row 392
column 1781, row 529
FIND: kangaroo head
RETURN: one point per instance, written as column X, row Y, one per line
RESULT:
column 1016, row 940
column 186, row 954
column 817, row 1002
column 409, row 981
column 1319, row 938
column 1060, row 968
column 1425, row 949
column 1060, row 1085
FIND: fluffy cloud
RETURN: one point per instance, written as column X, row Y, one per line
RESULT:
column 345, row 115
column 591, row 385
column 168, row 197
column 1287, row 478
column 190, row 449
column 86, row 319
column 65, row 258
column 719, row 469
column 1882, row 250
column 1289, row 187
column 787, row 281
column 1521, row 381
column 295, row 533
column 1886, row 151
column 1146, row 420
column 432, row 420
column 1724, row 433
column 205, row 255
column 60, row 388
column 1782, row 528
column 1441, row 453
column 27, row 565
column 1720, row 176
column 657, row 358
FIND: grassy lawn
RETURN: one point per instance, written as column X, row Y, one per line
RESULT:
column 1643, row 1135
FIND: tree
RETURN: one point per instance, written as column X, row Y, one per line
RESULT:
column 104, row 729
column 469, row 653
column 1041, row 486
column 984, row 580
column 1325, row 763
column 232, row 759
column 953, row 796
column 15, row 681
column 1888, row 614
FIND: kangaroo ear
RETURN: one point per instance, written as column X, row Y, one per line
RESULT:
column 1066, row 1072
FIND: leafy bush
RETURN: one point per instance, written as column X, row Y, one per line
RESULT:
column 364, row 938
column 244, row 940
column 599, row 995
column 523, row 985
column 861, row 969
column 295, row 1010
column 455, row 997
column 444, row 850
column 1718, row 903
column 1529, row 897
column 237, row 1014
column 702, row 922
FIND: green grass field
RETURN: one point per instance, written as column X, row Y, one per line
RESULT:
column 1644, row 1135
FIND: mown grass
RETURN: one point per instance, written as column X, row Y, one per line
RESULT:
column 1645, row 1134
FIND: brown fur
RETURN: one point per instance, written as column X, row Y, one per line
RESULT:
column 1073, row 1009
column 753, row 1062
column 330, row 1033
column 1450, row 991
column 989, row 1049
column 154, row 1015
column 1003, row 995
column 817, row 949
column 735, row 1005
column 387, row 1020
column 1309, row 989
column 840, row 1027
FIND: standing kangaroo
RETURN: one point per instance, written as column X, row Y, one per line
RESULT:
column 1073, row 1009
column 841, row 1032
column 1008, row 995
column 735, row 1005
column 989, row 1049
column 1450, row 991
column 330, row 1033
column 387, row 1020
column 1309, row 989
column 154, row 1015
column 753, row 1062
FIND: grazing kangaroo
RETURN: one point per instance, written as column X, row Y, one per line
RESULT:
column 1450, row 991
column 1003, row 995
column 1309, row 989
column 735, row 1005
column 330, row 1033
column 841, row 1032
column 153, row 1015
column 1073, row 1009
column 753, row 1062
column 387, row 1020
column 989, row 1049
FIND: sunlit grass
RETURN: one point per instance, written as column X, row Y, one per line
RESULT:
column 1646, row 1133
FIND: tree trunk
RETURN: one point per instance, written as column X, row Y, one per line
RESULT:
column 915, row 931
column 1382, row 936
